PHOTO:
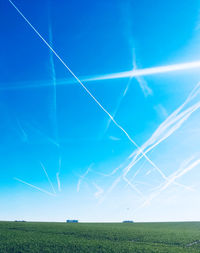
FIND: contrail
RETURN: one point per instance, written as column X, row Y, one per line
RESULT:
column 128, row 29
column 78, row 80
column 114, row 184
column 132, row 186
column 99, row 191
column 126, row 74
column 35, row 187
column 148, row 71
column 53, row 75
column 167, row 128
column 38, row 131
column 82, row 178
column 118, row 105
column 48, row 177
column 173, row 177
column 23, row 133
column 58, row 181
column 58, row 174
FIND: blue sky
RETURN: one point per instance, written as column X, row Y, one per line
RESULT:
column 130, row 148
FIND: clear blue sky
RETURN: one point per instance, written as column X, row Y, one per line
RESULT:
column 61, row 156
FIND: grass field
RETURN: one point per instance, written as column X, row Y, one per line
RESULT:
column 84, row 237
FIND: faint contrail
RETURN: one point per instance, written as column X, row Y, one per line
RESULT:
column 99, row 191
column 132, row 186
column 114, row 184
column 118, row 105
column 38, row 131
column 53, row 75
column 58, row 174
column 23, row 133
column 78, row 80
column 58, row 181
column 35, row 187
column 82, row 178
column 48, row 177
column 173, row 177
column 128, row 29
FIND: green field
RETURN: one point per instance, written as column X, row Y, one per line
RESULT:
column 111, row 237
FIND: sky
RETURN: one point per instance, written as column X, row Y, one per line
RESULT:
column 99, row 109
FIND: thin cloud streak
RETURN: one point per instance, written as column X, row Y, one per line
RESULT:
column 49, row 180
column 99, row 191
column 81, row 178
column 58, row 174
column 35, row 187
column 53, row 75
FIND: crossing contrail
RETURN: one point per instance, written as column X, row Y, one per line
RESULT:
column 35, row 187
column 177, row 174
column 89, row 93
column 81, row 178
column 165, row 130
column 49, row 180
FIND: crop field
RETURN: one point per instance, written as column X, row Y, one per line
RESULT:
column 99, row 237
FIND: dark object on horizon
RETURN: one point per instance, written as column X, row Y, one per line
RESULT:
column 72, row 221
column 127, row 221
column 20, row 221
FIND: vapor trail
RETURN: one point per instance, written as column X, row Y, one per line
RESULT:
column 58, row 174
column 132, row 186
column 53, row 75
column 38, row 131
column 128, row 29
column 148, row 71
column 23, row 133
column 48, row 177
column 78, row 80
column 177, row 174
column 99, row 191
column 82, row 178
column 35, row 187
column 125, row 74
column 167, row 128
column 118, row 105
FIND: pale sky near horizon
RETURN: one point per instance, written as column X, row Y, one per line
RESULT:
column 113, row 146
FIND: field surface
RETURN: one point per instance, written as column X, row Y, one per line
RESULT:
column 91, row 238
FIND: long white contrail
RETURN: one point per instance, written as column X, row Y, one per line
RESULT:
column 148, row 71
column 78, row 80
column 35, row 187
column 124, row 74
